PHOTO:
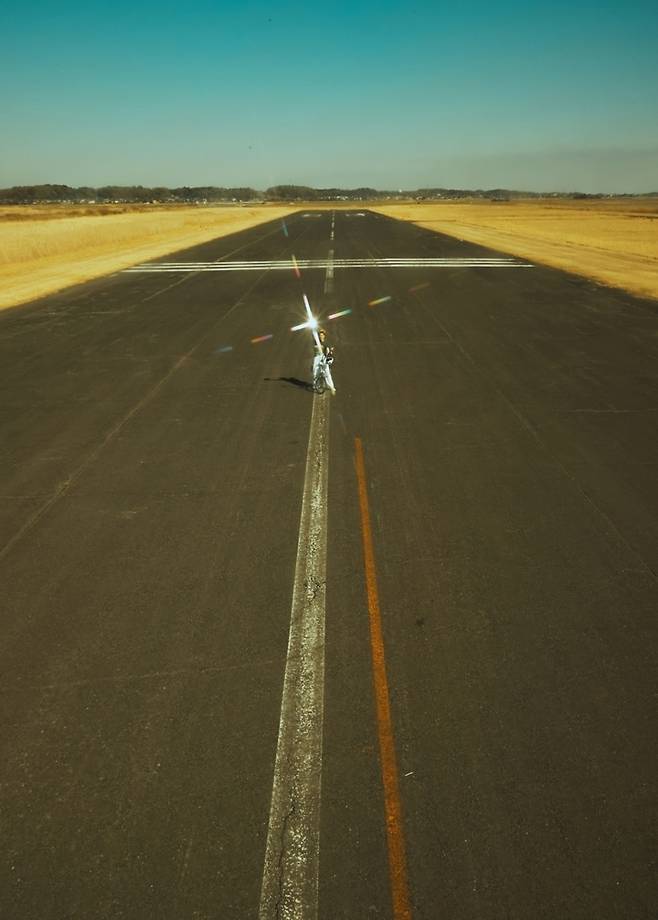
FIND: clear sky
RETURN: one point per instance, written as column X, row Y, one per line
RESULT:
column 553, row 96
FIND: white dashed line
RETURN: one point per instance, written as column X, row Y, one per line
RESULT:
column 329, row 276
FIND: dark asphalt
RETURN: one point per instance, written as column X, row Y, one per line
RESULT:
column 150, row 496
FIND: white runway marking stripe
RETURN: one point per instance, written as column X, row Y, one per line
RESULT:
column 290, row 875
column 329, row 277
column 288, row 265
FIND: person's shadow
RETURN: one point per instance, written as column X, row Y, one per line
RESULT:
column 293, row 381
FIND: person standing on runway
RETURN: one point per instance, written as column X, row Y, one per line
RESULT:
column 327, row 351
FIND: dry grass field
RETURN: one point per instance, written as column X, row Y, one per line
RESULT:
column 56, row 211
column 46, row 248
column 613, row 241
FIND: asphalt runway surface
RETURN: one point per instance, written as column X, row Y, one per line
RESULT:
column 480, row 733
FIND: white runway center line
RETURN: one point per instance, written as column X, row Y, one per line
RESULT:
column 329, row 276
column 288, row 265
column 290, row 875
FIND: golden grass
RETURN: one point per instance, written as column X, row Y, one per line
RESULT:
column 56, row 211
column 613, row 241
column 45, row 252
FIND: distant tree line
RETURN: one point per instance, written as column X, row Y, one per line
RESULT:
column 34, row 194
column 30, row 194
column 305, row 193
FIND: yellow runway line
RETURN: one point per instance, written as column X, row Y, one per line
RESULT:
column 394, row 832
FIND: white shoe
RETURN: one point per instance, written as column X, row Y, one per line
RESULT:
column 333, row 391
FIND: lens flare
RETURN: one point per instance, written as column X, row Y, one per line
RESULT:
column 312, row 321
column 223, row 349
column 262, row 338
column 419, row 287
column 300, row 326
column 295, row 266
column 340, row 313
column 373, row 303
column 285, row 229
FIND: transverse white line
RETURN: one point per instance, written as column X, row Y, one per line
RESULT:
column 287, row 265
column 290, row 874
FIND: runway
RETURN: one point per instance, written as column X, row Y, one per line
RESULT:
column 466, row 730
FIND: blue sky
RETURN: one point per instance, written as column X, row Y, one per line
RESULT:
column 560, row 96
